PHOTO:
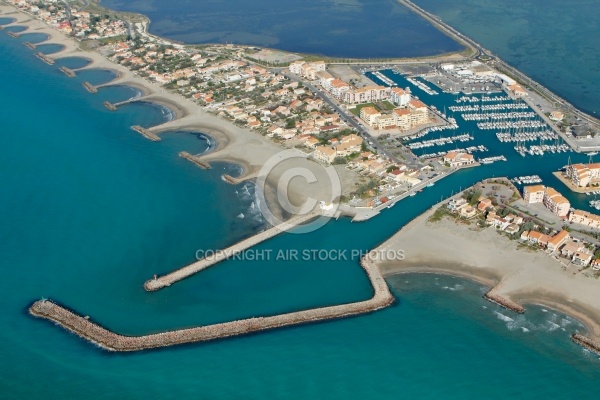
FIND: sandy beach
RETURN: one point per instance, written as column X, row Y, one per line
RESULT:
column 522, row 275
column 233, row 144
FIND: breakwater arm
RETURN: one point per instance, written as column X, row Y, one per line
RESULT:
column 68, row 72
column 89, row 87
column 586, row 343
column 189, row 270
column 108, row 340
column 503, row 302
column 145, row 133
column 44, row 58
column 195, row 160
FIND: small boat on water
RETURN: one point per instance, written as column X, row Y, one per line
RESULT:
column 412, row 194
column 430, row 184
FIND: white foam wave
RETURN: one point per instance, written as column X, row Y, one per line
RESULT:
column 503, row 317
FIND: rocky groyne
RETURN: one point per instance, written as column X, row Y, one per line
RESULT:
column 12, row 34
column 110, row 106
column 146, row 133
column 586, row 343
column 90, row 88
column 167, row 280
column 230, row 179
column 503, row 302
column 68, row 72
column 195, row 160
column 29, row 45
column 108, row 340
column 44, row 58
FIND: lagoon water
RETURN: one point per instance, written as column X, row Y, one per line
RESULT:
column 340, row 28
column 90, row 209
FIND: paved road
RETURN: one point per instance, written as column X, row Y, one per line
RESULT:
column 374, row 144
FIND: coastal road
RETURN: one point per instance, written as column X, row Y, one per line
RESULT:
column 374, row 144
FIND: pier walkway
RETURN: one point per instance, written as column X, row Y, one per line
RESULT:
column 189, row 270
column 108, row 340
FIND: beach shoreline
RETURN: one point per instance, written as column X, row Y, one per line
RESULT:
column 522, row 276
column 233, row 144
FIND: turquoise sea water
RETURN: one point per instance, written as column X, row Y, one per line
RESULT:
column 90, row 210
column 339, row 28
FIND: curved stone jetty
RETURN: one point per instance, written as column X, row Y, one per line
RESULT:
column 108, row 340
column 189, row 270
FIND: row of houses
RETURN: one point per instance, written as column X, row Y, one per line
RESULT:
column 559, row 205
column 413, row 114
column 343, row 147
column 562, row 244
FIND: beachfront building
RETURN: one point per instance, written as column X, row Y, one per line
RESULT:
column 325, row 154
column 556, row 202
column 366, row 94
column 583, row 175
column 399, row 97
column 458, row 159
column 584, row 218
column 455, row 205
column 582, row 258
column 534, row 237
column 570, row 248
column 534, row 194
column 558, row 240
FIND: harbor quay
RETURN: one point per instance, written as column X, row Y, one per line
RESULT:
column 158, row 283
column 94, row 333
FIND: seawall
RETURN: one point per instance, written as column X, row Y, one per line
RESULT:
column 108, row 340
column 189, row 270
